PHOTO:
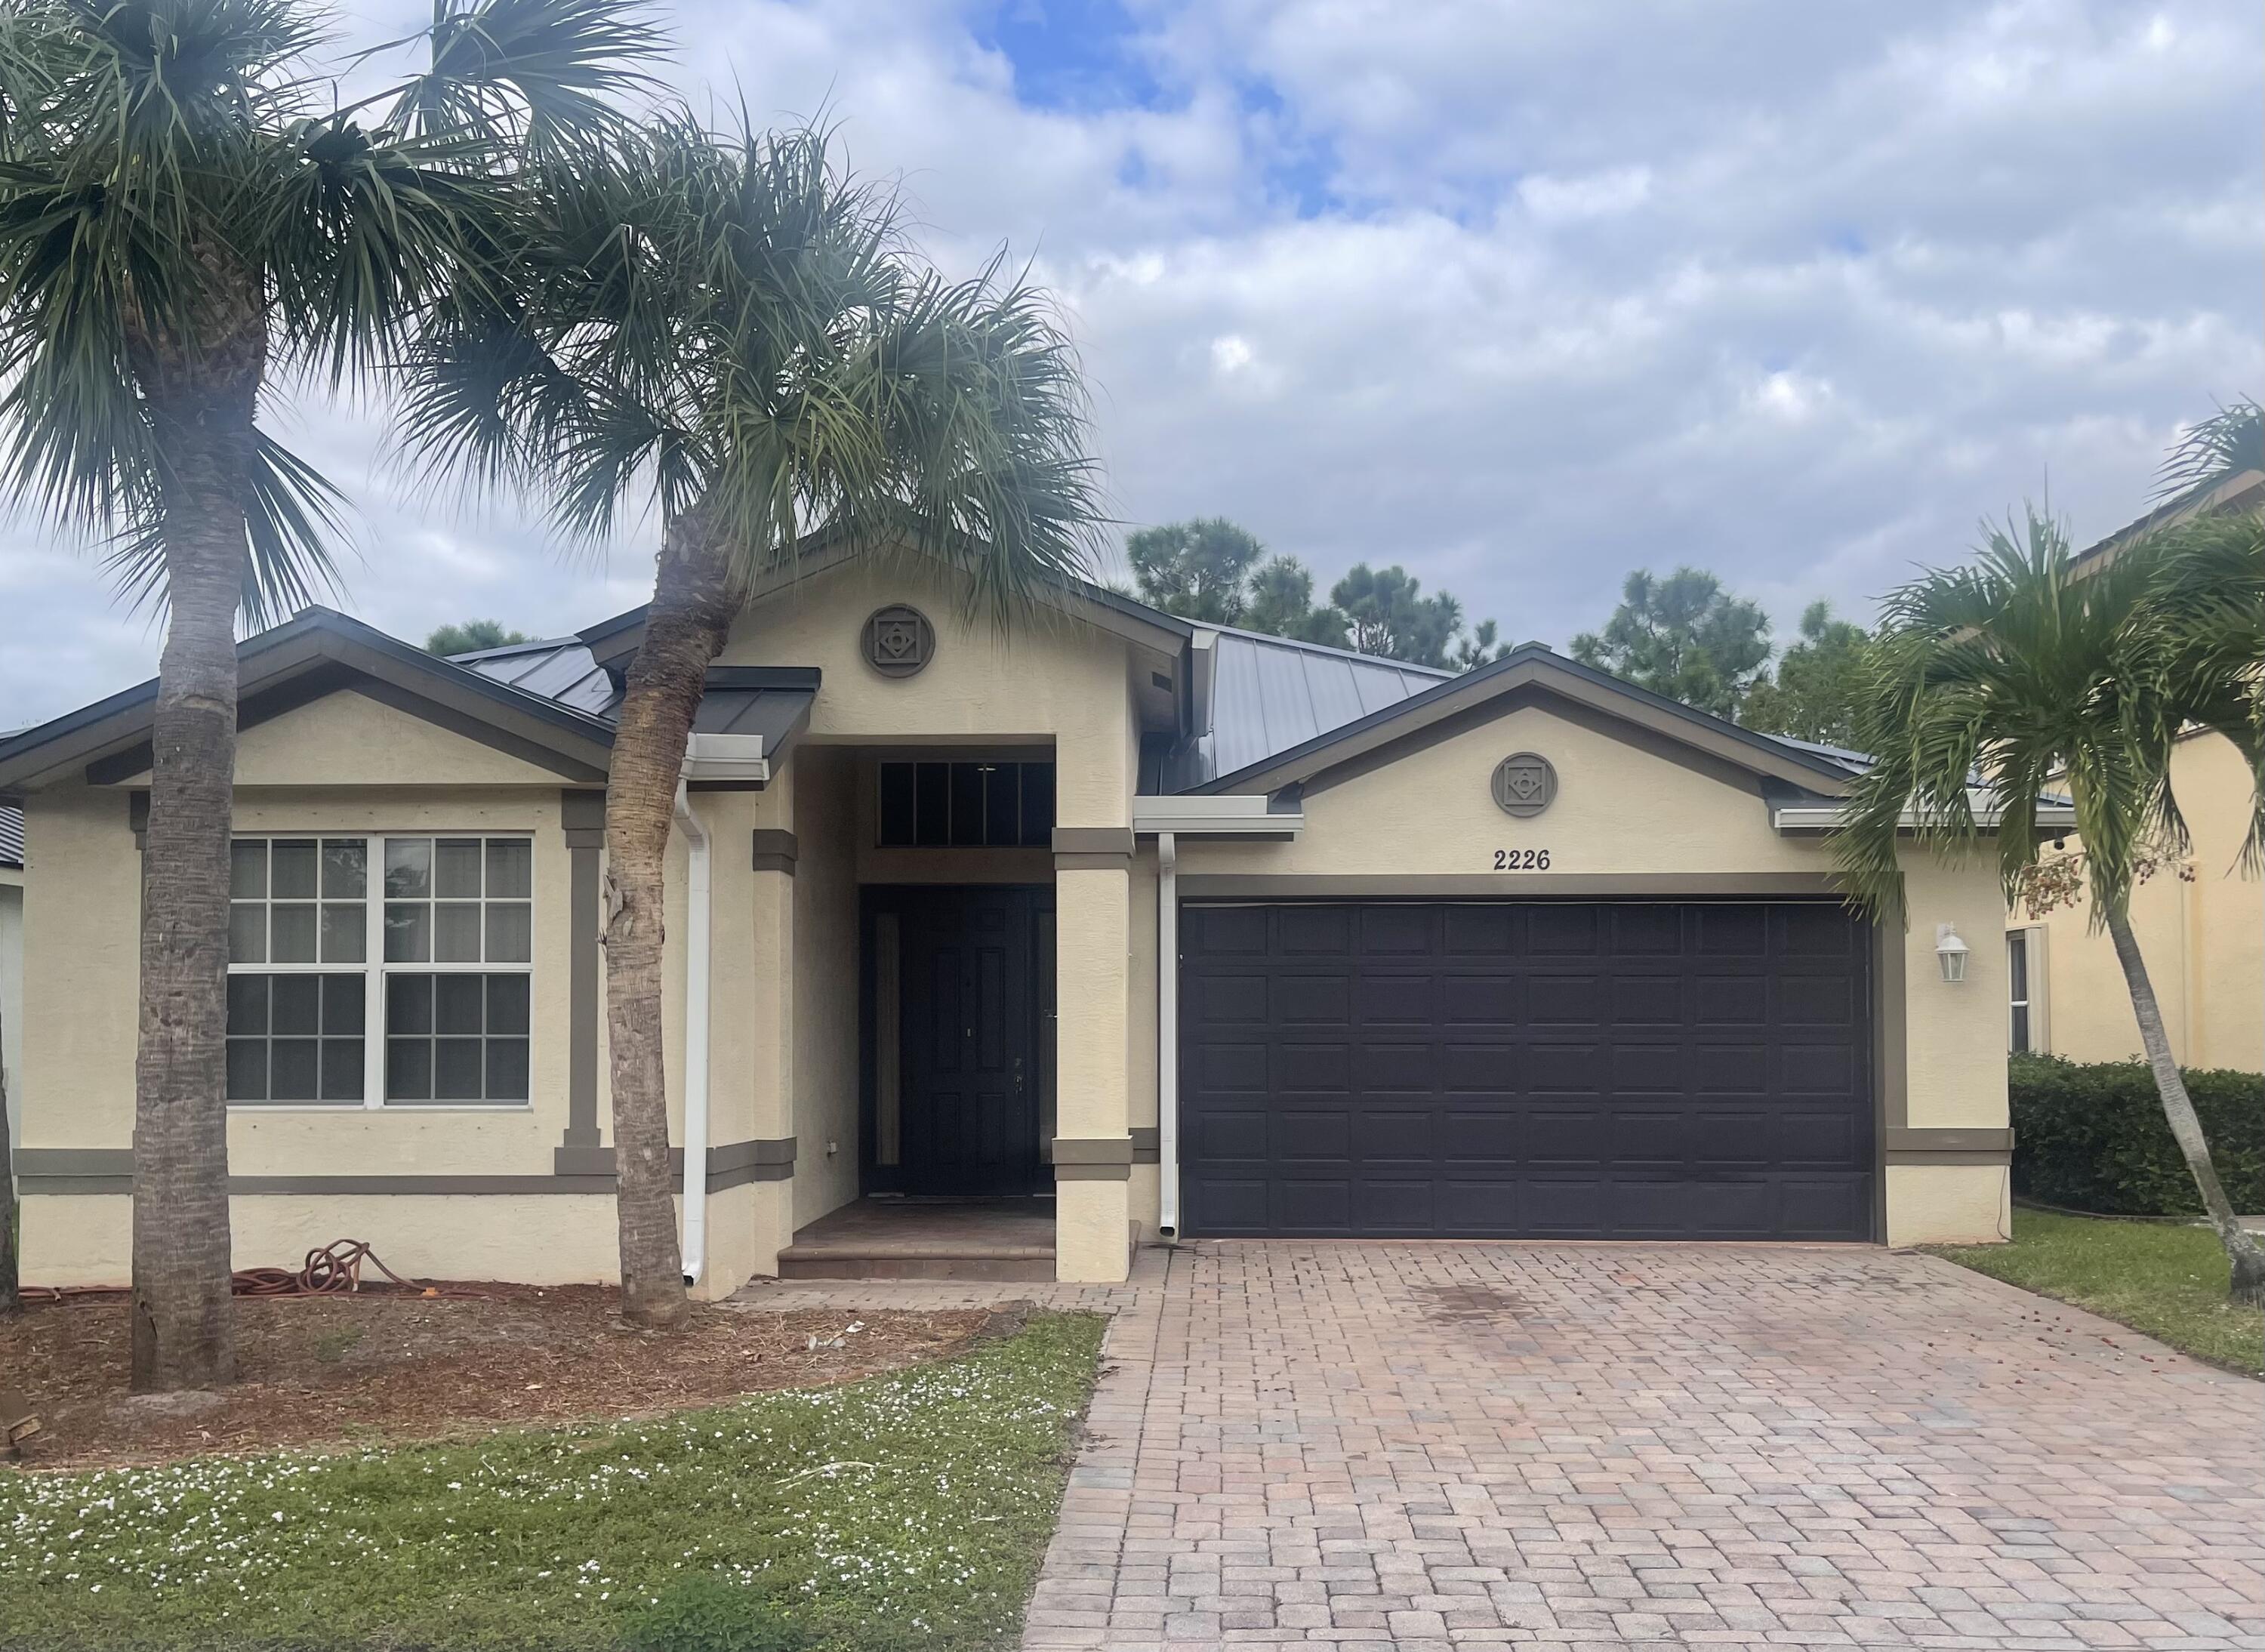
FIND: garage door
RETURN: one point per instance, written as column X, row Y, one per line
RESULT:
column 1530, row 1070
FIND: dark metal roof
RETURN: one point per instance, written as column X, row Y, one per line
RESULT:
column 561, row 669
column 772, row 701
column 1178, row 770
column 11, row 836
column 1270, row 694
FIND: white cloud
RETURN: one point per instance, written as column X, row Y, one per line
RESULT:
column 1521, row 295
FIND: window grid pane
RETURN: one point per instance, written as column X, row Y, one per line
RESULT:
column 456, row 1037
column 295, row 1038
column 459, row 900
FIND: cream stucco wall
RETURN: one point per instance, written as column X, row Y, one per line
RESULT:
column 2203, row 941
column 1046, row 680
column 82, row 906
column 1620, row 809
column 348, row 740
column 546, row 1239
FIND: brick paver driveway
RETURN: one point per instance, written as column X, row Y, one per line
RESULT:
column 1441, row 1445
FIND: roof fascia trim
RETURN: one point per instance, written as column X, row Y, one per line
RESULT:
column 275, row 657
column 1602, row 692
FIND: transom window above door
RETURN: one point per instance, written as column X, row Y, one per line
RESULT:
column 966, row 805
column 392, row 970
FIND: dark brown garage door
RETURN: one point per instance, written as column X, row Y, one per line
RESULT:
column 1530, row 1070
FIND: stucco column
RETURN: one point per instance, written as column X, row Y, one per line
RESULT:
column 763, row 1070
column 1093, row 1145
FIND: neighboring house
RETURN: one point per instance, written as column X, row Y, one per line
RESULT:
column 12, row 966
column 1524, row 952
column 2203, row 940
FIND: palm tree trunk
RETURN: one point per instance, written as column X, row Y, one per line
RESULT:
column 183, row 1329
column 685, row 628
column 203, row 401
column 2242, row 1250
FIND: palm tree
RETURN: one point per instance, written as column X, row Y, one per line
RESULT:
column 2016, row 675
column 722, row 329
column 184, row 216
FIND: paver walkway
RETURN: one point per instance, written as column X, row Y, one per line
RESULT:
column 1439, row 1446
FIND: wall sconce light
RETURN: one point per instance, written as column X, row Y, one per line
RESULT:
column 1950, row 952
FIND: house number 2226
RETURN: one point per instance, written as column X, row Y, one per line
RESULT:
column 1521, row 859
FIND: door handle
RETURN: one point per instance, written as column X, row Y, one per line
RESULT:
column 1018, row 1075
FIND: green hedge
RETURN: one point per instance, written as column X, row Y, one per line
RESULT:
column 2091, row 1137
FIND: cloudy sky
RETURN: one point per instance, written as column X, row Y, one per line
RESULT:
column 1521, row 294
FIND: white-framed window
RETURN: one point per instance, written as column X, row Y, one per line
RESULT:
column 2017, row 974
column 389, row 969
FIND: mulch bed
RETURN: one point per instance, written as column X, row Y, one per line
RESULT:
column 387, row 1366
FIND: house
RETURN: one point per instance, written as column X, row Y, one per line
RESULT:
column 2203, row 938
column 11, row 967
column 1159, row 928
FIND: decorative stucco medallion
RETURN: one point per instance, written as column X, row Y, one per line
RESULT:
column 1524, row 784
column 899, row 640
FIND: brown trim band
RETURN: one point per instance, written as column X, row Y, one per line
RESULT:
column 587, row 1170
column 730, row 1165
column 1093, row 863
column 1509, row 886
column 1945, row 1144
column 776, row 851
column 1946, row 1139
column 1093, row 841
column 1092, row 1150
column 1092, row 1173
column 583, row 816
column 1147, row 1145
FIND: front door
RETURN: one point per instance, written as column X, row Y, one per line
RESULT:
column 968, row 1020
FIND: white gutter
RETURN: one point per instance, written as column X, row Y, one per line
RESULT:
column 739, row 759
column 1168, row 1037
column 1240, row 814
column 1825, row 816
column 698, row 905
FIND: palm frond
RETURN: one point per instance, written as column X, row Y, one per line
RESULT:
column 295, row 513
column 2009, row 675
column 2228, row 442
column 551, row 74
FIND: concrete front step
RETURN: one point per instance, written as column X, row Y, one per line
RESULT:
column 927, row 1239
column 833, row 1264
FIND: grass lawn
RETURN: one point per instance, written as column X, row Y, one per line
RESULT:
column 2159, row 1277
column 904, row 1512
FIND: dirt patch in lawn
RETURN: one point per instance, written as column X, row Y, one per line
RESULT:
column 386, row 1367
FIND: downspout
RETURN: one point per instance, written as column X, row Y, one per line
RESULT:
column 698, row 917
column 1168, row 1037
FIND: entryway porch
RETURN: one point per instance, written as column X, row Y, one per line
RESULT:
column 886, row 1237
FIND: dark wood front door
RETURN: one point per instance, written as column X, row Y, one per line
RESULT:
column 968, row 1019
